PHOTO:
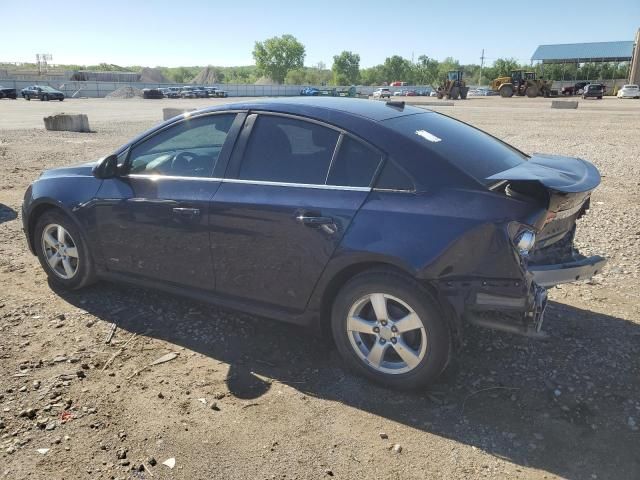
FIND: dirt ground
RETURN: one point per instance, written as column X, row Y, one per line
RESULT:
column 248, row 398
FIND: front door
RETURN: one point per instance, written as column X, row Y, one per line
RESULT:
column 152, row 221
column 292, row 190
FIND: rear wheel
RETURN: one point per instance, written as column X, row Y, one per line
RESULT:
column 531, row 91
column 27, row 97
column 62, row 251
column 506, row 91
column 389, row 329
column 455, row 93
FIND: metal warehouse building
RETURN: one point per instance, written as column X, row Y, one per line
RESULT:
column 596, row 52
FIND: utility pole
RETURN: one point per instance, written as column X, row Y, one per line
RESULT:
column 481, row 65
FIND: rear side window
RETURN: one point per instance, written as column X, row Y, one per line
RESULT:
column 288, row 150
column 354, row 165
column 471, row 150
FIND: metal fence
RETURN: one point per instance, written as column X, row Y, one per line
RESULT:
column 94, row 89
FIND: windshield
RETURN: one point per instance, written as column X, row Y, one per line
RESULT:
column 48, row 89
column 471, row 150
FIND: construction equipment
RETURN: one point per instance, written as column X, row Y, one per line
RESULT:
column 453, row 87
column 521, row 83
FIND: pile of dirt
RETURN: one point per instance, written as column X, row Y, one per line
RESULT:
column 207, row 76
column 152, row 75
column 125, row 92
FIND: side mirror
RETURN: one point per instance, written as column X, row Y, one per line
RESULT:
column 107, row 167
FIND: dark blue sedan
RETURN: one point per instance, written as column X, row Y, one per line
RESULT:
column 388, row 226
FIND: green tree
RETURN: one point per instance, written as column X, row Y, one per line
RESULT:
column 502, row 67
column 346, row 68
column 425, row 71
column 397, row 68
column 372, row 76
column 276, row 56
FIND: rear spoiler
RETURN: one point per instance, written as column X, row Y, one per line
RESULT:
column 555, row 172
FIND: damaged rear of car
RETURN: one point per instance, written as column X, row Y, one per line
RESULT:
column 518, row 223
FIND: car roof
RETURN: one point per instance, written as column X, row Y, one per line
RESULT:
column 319, row 107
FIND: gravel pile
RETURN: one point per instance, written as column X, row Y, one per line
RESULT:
column 126, row 92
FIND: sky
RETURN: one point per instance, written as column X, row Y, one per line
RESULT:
column 200, row 32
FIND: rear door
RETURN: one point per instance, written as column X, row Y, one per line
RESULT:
column 291, row 191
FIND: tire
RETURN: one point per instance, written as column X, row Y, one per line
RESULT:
column 81, row 264
column 454, row 93
column 531, row 92
column 61, row 99
column 426, row 344
column 27, row 97
column 600, row 97
column 506, row 91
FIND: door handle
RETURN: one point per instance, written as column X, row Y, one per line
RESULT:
column 190, row 212
column 313, row 221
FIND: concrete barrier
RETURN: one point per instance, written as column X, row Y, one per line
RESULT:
column 168, row 113
column 564, row 104
column 68, row 122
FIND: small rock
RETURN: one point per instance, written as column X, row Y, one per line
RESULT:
column 60, row 359
column 50, row 426
column 383, row 435
column 160, row 395
column 23, row 389
column 125, row 462
column 10, row 450
column 557, row 392
column 631, row 422
column 80, row 374
column 397, row 448
column 152, row 461
column 328, row 472
column 36, row 384
column 42, row 451
column 121, row 453
column 170, row 462
column 214, row 406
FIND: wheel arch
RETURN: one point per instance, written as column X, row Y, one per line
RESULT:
column 39, row 209
column 328, row 294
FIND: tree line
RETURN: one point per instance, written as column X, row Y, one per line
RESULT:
column 281, row 60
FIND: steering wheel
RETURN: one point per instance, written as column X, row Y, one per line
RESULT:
column 182, row 162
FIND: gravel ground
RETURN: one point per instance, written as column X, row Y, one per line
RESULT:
column 246, row 398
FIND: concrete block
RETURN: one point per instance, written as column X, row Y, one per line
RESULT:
column 68, row 122
column 168, row 113
column 564, row 104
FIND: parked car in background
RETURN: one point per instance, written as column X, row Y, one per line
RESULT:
column 188, row 92
column 42, row 92
column 385, row 226
column 173, row 92
column 398, row 93
column 6, row 92
column 152, row 93
column 593, row 90
column 382, row 93
column 410, row 93
column 481, row 92
column 309, row 92
column 433, row 93
column 629, row 91
column 216, row 92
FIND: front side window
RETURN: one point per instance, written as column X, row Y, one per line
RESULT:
column 189, row 149
column 282, row 149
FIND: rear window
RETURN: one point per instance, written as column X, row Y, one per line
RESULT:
column 471, row 150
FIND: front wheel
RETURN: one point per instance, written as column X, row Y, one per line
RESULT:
column 62, row 252
column 388, row 328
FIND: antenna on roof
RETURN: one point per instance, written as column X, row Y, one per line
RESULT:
column 396, row 104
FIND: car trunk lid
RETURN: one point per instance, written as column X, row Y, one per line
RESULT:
column 562, row 184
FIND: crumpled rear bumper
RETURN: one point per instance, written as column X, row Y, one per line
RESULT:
column 581, row 269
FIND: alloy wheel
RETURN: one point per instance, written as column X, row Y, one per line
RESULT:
column 60, row 251
column 386, row 333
